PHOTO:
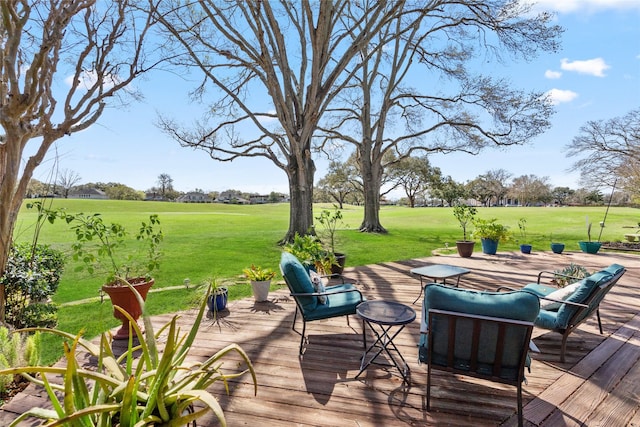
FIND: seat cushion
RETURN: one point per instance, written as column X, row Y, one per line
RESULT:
column 298, row 280
column 338, row 304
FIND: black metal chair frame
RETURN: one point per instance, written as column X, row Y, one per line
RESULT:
column 584, row 310
column 328, row 292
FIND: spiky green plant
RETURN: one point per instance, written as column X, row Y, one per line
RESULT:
column 150, row 388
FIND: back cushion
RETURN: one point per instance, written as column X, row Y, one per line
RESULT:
column 298, row 280
column 518, row 305
column 581, row 294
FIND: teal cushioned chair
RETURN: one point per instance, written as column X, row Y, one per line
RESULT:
column 341, row 300
column 578, row 306
column 481, row 334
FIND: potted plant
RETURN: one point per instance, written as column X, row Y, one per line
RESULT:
column 490, row 233
column 525, row 248
column 309, row 250
column 217, row 299
column 152, row 383
column 260, row 281
column 100, row 246
column 464, row 214
column 556, row 247
column 589, row 246
column 330, row 220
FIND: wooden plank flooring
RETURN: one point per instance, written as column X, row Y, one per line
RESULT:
column 596, row 386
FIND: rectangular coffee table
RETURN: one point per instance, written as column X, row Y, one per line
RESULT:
column 439, row 272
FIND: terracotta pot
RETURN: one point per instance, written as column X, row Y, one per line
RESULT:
column 465, row 248
column 124, row 298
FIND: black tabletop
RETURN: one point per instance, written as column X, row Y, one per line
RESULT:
column 386, row 312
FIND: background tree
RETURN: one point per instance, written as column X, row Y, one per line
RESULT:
column 381, row 112
column 66, row 180
column 165, row 185
column 37, row 188
column 530, row 189
column 294, row 53
column 61, row 62
column 608, row 151
column 117, row 191
column 561, row 195
column 415, row 176
column 448, row 191
column 338, row 183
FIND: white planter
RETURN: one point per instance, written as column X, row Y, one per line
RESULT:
column 260, row 290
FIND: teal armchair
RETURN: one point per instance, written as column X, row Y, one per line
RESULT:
column 564, row 309
column 335, row 301
column 480, row 334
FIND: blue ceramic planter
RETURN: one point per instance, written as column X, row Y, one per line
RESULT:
column 557, row 248
column 489, row 247
column 525, row 249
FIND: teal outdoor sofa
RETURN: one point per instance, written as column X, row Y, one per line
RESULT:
column 480, row 334
column 564, row 309
column 335, row 301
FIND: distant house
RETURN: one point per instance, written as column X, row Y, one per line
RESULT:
column 194, row 197
column 88, row 193
column 256, row 199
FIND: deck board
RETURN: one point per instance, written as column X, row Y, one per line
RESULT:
column 595, row 385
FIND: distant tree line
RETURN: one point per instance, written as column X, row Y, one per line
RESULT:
column 425, row 185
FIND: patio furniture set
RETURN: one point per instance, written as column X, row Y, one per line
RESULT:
column 476, row 333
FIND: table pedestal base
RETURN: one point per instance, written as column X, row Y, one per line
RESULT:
column 384, row 343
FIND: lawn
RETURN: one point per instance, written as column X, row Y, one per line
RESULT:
column 216, row 241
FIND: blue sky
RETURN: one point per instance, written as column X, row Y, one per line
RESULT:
column 595, row 75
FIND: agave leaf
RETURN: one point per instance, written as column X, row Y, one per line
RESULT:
column 128, row 412
column 163, row 372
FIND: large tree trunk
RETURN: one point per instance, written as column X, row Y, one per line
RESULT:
column 300, row 174
column 372, row 179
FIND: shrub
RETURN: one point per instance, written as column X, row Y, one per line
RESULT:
column 31, row 278
column 17, row 351
column 569, row 274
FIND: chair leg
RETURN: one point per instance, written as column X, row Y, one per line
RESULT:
column 364, row 336
column 520, row 416
column 304, row 328
column 295, row 316
column 428, row 388
column 563, row 347
column 599, row 322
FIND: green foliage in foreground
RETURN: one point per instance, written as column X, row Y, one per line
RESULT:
column 205, row 241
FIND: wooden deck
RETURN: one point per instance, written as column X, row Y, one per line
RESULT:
column 598, row 384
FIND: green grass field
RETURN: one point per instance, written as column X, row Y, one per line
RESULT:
column 207, row 241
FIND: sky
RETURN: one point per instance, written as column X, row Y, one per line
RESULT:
column 594, row 76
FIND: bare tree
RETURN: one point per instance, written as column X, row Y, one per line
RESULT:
column 66, row 180
column 296, row 53
column 530, row 189
column 612, row 148
column 450, row 109
column 165, row 183
column 93, row 50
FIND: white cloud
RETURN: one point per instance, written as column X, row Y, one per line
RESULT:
column 550, row 74
column 558, row 96
column 569, row 6
column 594, row 67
